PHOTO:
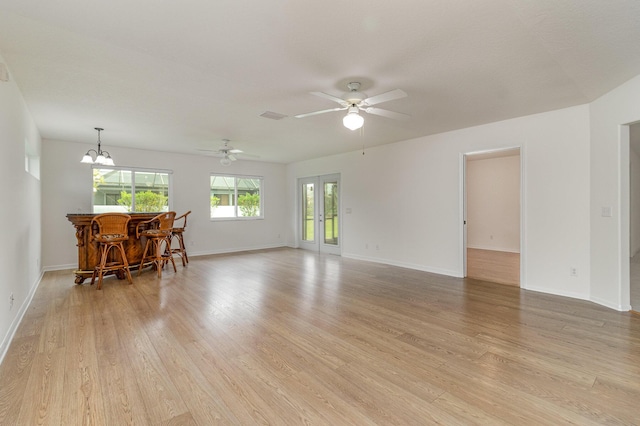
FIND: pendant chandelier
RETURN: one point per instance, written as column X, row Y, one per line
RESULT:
column 101, row 157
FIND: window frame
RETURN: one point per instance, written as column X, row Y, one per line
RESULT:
column 133, row 171
column 235, row 197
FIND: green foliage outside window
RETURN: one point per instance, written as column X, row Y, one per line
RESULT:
column 215, row 201
column 249, row 204
column 125, row 200
column 98, row 179
column 146, row 201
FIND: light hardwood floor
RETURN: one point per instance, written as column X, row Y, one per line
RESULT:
column 496, row 266
column 290, row 337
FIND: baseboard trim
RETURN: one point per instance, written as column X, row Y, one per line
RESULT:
column 608, row 304
column 414, row 266
column 234, row 250
column 60, row 267
column 6, row 342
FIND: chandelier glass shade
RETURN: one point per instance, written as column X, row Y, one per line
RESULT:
column 101, row 157
column 225, row 161
column 353, row 120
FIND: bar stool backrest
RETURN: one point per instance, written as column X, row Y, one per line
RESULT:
column 165, row 220
column 111, row 224
column 182, row 217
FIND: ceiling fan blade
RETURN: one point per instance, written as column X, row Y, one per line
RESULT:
column 213, row 152
column 308, row 114
column 231, row 153
column 387, row 113
column 331, row 98
column 385, row 97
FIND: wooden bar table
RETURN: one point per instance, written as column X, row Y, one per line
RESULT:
column 88, row 255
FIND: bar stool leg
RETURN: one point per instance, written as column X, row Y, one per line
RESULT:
column 104, row 250
column 161, row 259
column 157, row 242
column 125, row 262
column 103, row 262
column 183, row 249
column 153, row 251
column 167, row 242
column 98, row 269
column 144, row 255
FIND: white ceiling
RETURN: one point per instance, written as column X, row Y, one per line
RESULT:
column 182, row 76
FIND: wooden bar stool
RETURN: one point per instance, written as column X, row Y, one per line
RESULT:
column 112, row 232
column 158, row 231
column 177, row 233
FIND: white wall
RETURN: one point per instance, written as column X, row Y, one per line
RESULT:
column 20, row 212
column 405, row 197
column 634, row 192
column 493, row 203
column 67, row 186
column 610, row 188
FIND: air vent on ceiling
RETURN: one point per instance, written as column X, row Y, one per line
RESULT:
column 272, row 115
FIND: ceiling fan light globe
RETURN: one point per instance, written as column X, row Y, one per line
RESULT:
column 353, row 121
column 225, row 161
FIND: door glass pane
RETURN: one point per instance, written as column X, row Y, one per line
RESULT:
column 308, row 209
column 331, row 213
column 111, row 190
column 152, row 192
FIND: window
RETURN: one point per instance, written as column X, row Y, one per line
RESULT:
column 31, row 158
column 130, row 190
column 237, row 197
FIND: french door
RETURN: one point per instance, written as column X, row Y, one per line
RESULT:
column 319, row 213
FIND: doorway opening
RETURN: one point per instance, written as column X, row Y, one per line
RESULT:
column 492, row 216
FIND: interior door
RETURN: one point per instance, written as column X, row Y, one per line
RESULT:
column 319, row 213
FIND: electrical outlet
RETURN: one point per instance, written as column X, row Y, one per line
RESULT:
column 573, row 271
column 11, row 301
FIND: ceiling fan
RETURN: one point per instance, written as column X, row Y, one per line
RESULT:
column 226, row 151
column 355, row 101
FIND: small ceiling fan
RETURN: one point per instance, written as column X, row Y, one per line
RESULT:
column 226, row 151
column 355, row 101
